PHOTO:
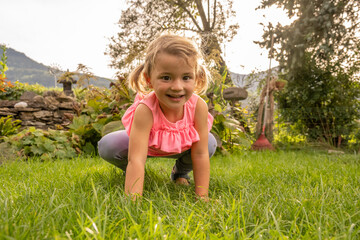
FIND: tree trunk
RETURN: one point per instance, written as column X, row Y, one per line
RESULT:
column 212, row 50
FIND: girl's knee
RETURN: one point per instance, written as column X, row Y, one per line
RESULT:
column 113, row 144
column 212, row 145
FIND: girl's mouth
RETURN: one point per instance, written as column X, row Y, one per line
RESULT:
column 175, row 97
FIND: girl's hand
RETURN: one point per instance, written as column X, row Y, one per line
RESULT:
column 202, row 198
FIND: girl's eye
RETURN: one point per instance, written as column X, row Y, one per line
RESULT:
column 186, row 77
column 167, row 78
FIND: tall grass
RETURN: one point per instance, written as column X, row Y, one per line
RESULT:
column 294, row 195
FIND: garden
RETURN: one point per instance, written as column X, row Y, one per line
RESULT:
column 55, row 186
column 305, row 186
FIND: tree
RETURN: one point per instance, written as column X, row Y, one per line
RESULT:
column 319, row 57
column 325, row 29
column 144, row 19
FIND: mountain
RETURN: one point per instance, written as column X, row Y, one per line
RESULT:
column 27, row 70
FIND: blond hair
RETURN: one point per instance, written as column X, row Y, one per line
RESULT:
column 174, row 45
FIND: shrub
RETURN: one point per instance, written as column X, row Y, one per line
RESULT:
column 324, row 102
column 47, row 145
column 101, row 113
column 3, row 68
column 8, row 126
column 230, row 123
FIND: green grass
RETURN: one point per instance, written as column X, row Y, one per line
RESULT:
column 294, row 195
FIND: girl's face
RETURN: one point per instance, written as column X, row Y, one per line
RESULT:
column 173, row 81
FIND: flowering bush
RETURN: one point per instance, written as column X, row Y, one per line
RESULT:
column 3, row 69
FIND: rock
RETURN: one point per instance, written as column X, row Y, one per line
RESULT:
column 28, row 109
column 7, row 112
column 64, row 98
column 21, row 105
column 69, row 116
column 66, row 105
column 38, row 102
column 39, row 105
column 39, row 99
column 7, row 103
column 24, row 116
column 43, row 114
column 335, row 152
column 51, row 94
column 28, row 95
column 51, row 103
column 45, row 111
column 33, row 123
column 235, row 93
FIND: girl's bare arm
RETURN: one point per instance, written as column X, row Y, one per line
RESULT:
column 200, row 152
column 138, row 149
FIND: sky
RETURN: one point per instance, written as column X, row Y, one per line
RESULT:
column 68, row 32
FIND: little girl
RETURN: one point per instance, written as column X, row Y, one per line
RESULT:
column 167, row 118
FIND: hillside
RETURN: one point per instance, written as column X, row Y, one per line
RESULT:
column 27, row 70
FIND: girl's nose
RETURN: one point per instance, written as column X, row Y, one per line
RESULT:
column 177, row 85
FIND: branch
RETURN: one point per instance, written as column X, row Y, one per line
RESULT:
column 208, row 10
column 202, row 15
column 182, row 29
column 214, row 19
column 181, row 4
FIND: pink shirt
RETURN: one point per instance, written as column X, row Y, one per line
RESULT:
column 167, row 138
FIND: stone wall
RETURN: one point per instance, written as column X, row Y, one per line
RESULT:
column 51, row 110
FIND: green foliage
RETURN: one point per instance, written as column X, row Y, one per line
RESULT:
column 320, row 58
column 101, row 114
column 323, row 102
column 286, row 134
column 352, row 140
column 3, row 68
column 47, row 145
column 230, row 122
column 15, row 92
column 84, row 76
column 8, row 126
column 12, row 93
column 327, row 30
column 38, row 88
column 138, row 26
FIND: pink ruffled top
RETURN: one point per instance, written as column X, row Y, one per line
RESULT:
column 167, row 138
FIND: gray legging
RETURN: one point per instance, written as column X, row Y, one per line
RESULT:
column 114, row 146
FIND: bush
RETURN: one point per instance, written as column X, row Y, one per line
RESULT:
column 3, row 68
column 13, row 93
column 230, row 125
column 323, row 102
column 47, row 145
column 101, row 113
column 8, row 126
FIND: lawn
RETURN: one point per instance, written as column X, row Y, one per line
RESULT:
column 257, row 195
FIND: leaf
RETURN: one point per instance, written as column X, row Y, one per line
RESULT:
column 79, row 122
column 217, row 108
column 112, row 127
column 98, row 126
column 89, row 148
column 35, row 150
column 49, row 145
